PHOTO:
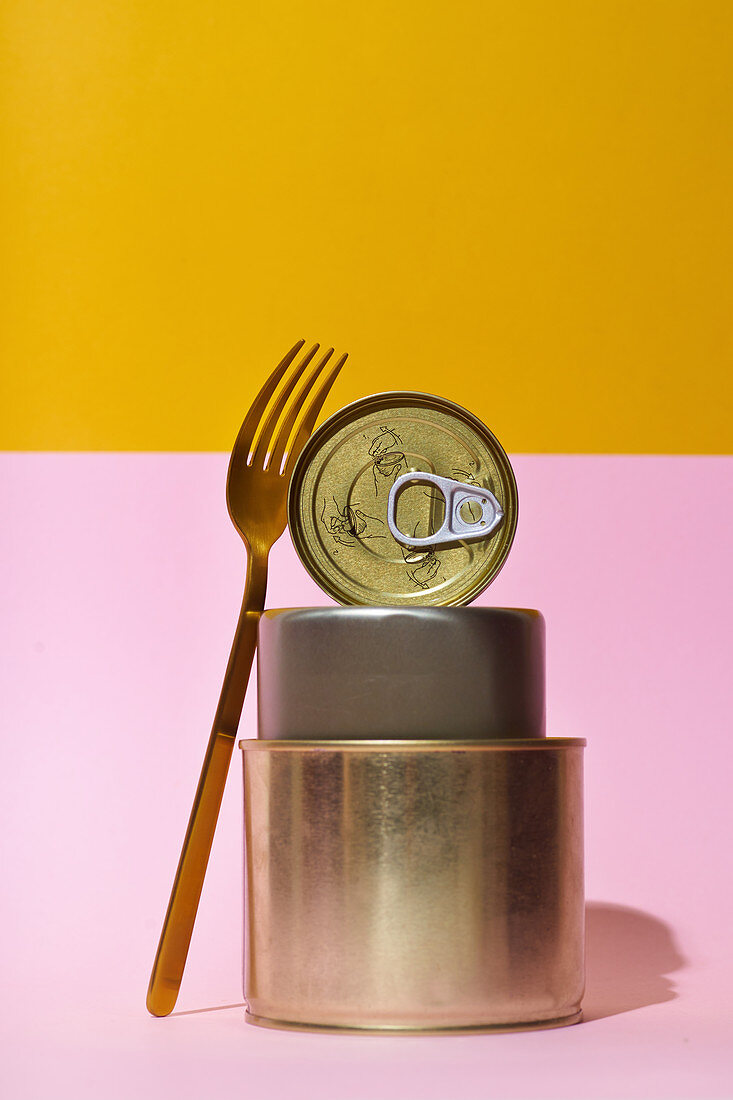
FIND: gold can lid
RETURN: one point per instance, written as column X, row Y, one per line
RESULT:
column 339, row 502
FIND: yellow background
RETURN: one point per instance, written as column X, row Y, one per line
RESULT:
column 525, row 207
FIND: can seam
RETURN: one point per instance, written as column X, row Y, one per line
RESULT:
column 528, row 744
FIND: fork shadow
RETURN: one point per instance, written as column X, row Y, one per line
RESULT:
column 629, row 954
column 213, row 1008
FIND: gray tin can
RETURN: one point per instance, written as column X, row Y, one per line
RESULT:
column 407, row 673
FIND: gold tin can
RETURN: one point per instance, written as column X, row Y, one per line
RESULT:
column 411, row 886
column 339, row 492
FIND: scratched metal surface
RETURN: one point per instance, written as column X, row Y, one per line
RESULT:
column 412, row 885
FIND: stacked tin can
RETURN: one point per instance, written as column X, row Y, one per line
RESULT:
column 413, row 839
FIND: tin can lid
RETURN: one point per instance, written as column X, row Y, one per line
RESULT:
column 339, row 509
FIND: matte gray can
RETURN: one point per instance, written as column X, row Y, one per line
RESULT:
column 463, row 673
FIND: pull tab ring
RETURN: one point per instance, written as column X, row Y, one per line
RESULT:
column 456, row 493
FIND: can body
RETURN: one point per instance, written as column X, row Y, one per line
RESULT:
column 402, row 673
column 416, row 886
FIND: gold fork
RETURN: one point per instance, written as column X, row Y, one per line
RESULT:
column 257, row 483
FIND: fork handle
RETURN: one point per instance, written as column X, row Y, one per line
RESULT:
column 175, row 938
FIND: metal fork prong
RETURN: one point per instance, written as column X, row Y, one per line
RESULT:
column 263, row 437
column 255, row 414
column 281, row 437
column 308, row 423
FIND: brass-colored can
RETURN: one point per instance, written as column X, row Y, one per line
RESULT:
column 414, row 886
column 339, row 502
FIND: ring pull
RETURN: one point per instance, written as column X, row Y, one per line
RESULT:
column 456, row 494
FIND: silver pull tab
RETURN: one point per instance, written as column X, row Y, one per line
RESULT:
column 456, row 493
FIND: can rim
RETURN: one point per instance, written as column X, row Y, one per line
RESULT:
column 397, row 397
column 402, row 745
column 382, row 1030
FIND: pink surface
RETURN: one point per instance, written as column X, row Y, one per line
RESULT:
column 121, row 577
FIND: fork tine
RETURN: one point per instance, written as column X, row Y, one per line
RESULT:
column 261, row 446
column 279, row 442
column 253, row 417
column 308, row 422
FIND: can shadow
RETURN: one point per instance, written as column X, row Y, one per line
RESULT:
column 629, row 954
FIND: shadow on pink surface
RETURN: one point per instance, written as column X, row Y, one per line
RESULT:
column 213, row 1008
column 628, row 957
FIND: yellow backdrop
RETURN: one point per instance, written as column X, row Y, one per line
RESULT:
column 524, row 206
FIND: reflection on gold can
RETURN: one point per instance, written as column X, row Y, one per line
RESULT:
column 414, row 886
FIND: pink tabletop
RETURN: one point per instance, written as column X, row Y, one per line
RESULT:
column 121, row 577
